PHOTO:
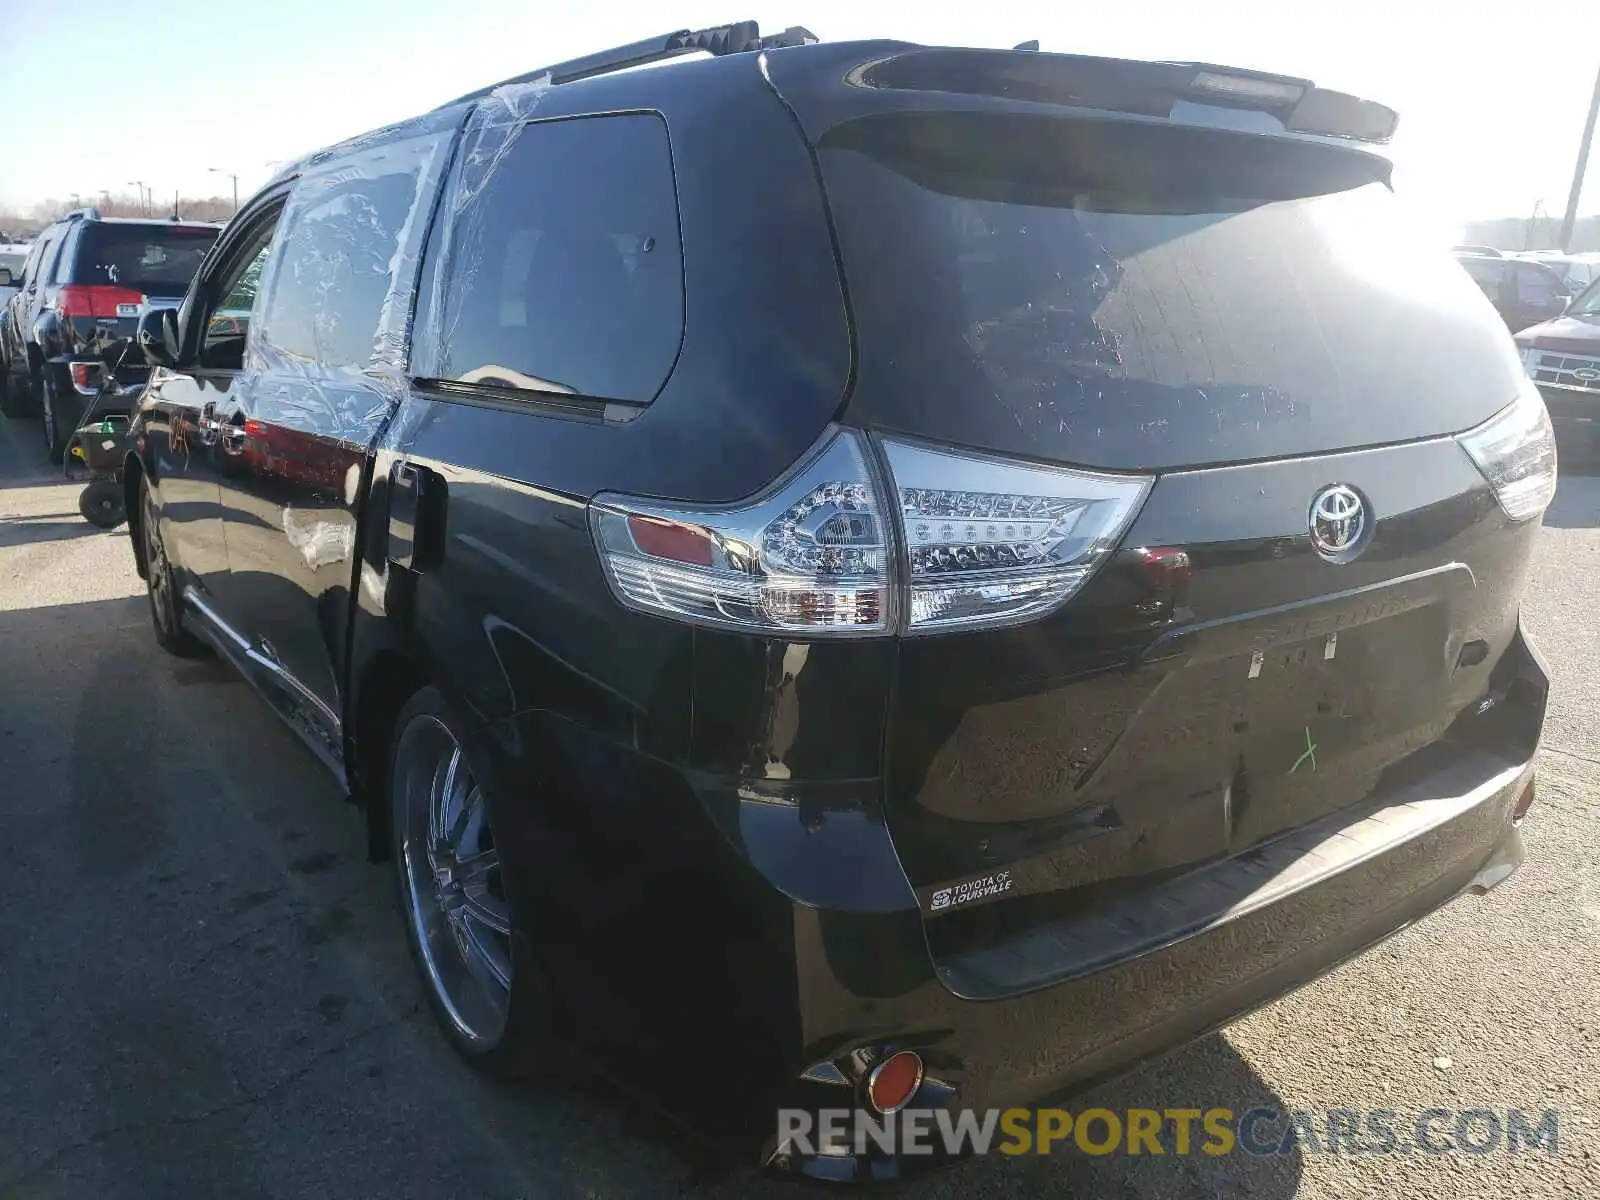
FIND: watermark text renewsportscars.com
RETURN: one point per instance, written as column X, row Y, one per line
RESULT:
column 1175, row 1131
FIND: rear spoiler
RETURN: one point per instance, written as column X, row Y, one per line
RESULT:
column 1123, row 85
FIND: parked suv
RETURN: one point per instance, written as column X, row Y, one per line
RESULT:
column 864, row 576
column 1563, row 358
column 1523, row 292
column 81, row 290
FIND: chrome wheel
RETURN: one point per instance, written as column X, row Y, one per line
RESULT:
column 158, row 574
column 451, row 880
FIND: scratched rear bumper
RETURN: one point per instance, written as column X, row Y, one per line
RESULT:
column 1066, row 1004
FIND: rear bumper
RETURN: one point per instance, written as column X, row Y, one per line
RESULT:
column 1030, row 1048
column 1058, row 1009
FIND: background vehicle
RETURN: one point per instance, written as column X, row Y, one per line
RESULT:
column 1563, row 358
column 1523, row 293
column 11, row 259
column 1577, row 271
column 972, row 689
column 82, row 286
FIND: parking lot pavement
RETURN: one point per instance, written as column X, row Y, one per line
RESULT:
column 204, row 989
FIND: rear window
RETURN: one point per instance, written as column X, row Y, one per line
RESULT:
column 1145, row 296
column 563, row 270
column 1487, row 275
column 159, row 259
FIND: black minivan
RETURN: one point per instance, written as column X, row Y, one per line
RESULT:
column 864, row 576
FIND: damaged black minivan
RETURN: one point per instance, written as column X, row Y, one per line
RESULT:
column 864, row 576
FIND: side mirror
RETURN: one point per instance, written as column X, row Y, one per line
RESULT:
column 158, row 336
column 5, row 277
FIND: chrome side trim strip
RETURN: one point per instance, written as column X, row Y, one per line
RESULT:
column 270, row 665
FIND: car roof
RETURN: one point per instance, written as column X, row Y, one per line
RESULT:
column 637, row 82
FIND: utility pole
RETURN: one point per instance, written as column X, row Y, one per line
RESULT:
column 235, row 178
column 144, row 205
column 1571, row 218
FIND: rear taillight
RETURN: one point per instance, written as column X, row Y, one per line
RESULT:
column 98, row 300
column 809, row 555
column 85, row 377
column 990, row 542
column 1516, row 451
column 984, row 542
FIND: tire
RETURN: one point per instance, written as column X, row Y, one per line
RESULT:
column 102, row 504
column 55, row 436
column 16, row 399
column 476, row 969
column 160, row 584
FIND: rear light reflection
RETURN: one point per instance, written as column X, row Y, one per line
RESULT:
column 1524, row 801
column 1164, row 566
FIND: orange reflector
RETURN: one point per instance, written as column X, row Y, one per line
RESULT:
column 893, row 1082
column 1524, row 802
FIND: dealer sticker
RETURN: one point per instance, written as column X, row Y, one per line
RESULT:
column 981, row 888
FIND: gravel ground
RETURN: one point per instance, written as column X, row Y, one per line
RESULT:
column 204, row 990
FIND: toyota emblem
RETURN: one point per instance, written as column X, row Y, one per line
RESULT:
column 1338, row 522
column 1587, row 374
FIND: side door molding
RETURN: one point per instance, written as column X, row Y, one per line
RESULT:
column 305, row 712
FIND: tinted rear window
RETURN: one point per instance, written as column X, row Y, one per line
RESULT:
column 1146, row 296
column 158, row 259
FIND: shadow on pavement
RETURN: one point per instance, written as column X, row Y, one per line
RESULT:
column 23, row 531
column 227, row 1007
column 1576, row 504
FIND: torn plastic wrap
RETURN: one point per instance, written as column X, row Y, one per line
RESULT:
column 320, row 383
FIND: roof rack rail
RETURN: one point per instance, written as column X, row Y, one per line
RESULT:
column 738, row 38
column 81, row 214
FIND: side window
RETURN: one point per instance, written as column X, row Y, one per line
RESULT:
column 563, row 270
column 38, row 262
column 54, row 259
column 1486, row 275
column 337, row 257
column 227, row 327
column 30, row 265
column 1536, row 286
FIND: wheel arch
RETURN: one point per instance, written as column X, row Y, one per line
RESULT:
column 380, row 687
column 132, row 478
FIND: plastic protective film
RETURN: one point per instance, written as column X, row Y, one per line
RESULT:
column 355, row 231
column 458, row 254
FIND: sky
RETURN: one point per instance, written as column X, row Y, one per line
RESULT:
column 1492, row 94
